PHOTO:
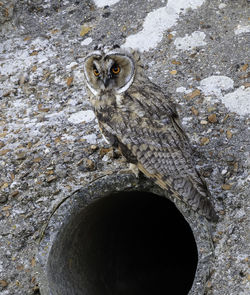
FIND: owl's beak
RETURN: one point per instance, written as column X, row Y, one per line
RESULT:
column 106, row 81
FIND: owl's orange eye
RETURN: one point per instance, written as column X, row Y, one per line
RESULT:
column 96, row 73
column 116, row 69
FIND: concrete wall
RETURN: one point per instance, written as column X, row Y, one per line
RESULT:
column 51, row 149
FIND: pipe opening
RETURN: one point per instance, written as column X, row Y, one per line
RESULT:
column 129, row 243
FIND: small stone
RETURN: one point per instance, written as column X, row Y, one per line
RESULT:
column 194, row 111
column 222, row 5
column 224, row 172
column 3, row 283
column 42, row 109
column 170, row 36
column 4, row 152
column 50, row 172
column 37, row 160
column 3, row 198
column 20, row 267
column 245, row 76
column 34, row 53
column 94, row 147
column 80, row 162
column 173, row 72
column 69, row 81
column 90, row 164
column 51, row 178
column 14, row 194
column 193, row 94
column 54, row 31
column 57, row 139
column 211, row 109
column 204, row 140
column 226, row 186
column 84, row 30
column 3, row 134
column 4, row 185
column 229, row 158
column 105, row 158
column 34, row 68
column 6, row 93
column 21, row 156
column 86, row 165
column 175, row 62
column 193, row 55
column 72, row 65
column 203, row 122
column 33, row 262
column 104, row 151
column 229, row 134
column 236, row 166
column 212, row 118
column 244, row 67
column 209, row 284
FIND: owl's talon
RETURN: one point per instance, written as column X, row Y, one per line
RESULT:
column 129, row 171
column 134, row 169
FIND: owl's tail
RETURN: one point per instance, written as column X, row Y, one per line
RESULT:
column 196, row 195
column 202, row 205
column 191, row 189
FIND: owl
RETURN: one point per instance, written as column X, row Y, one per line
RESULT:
column 136, row 117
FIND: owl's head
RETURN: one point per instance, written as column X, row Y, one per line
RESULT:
column 109, row 69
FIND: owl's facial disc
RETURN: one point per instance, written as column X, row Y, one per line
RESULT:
column 121, row 71
column 112, row 72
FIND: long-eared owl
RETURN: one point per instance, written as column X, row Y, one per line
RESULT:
column 135, row 116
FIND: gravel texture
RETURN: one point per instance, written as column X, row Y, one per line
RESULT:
column 50, row 145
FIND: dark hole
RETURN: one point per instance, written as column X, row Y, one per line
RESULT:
column 131, row 243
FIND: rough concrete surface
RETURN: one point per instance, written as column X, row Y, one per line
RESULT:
column 50, row 145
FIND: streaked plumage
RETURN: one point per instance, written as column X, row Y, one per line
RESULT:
column 135, row 116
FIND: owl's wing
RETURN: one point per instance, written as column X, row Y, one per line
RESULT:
column 163, row 156
column 156, row 142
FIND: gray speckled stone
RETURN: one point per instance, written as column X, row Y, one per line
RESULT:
column 45, row 140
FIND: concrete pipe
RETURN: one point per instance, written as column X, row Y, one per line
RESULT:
column 118, row 237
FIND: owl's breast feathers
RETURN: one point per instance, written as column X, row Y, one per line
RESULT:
column 146, row 128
